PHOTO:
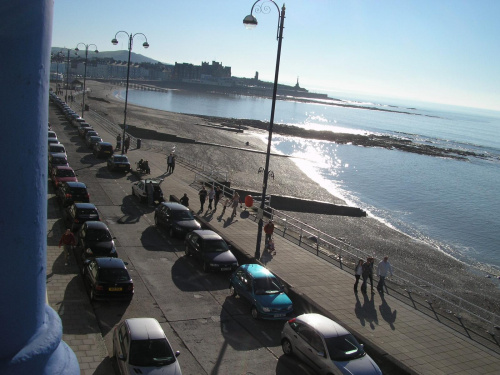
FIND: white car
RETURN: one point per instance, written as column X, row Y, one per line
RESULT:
column 141, row 347
column 326, row 346
column 140, row 191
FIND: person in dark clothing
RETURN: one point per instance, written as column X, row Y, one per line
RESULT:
column 203, row 196
column 358, row 271
column 68, row 240
column 185, row 200
column 268, row 230
column 126, row 143
column 218, row 193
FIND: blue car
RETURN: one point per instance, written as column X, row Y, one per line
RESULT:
column 263, row 290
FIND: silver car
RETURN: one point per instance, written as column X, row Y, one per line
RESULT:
column 141, row 347
column 326, row 346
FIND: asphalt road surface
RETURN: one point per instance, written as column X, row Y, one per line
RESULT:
column 214, row 332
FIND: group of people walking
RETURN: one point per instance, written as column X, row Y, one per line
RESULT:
column 126, row 143
column 214, row 195
column 364, row 270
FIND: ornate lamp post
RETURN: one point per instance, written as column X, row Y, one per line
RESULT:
column 57, row 58
column 250, row 22
column 85, row 70
column 67, row 77
column 130, row 43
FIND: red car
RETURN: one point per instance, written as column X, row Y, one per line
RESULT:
column 62, row 173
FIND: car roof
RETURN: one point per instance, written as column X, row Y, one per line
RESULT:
column 175, row 206
column 207, row 234
column 63, row 167
column 326, row 326
column 110, row 263
column 58, row 155
column 76, row 184
column 144, row 329
column 153, row 180
column 257, row 271
column 96, row 225
column 85, row 205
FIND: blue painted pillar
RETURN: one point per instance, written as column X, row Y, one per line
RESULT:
column 30, row 331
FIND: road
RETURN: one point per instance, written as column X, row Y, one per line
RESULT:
column 214, row 332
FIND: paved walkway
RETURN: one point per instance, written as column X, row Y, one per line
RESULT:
column 396, row 331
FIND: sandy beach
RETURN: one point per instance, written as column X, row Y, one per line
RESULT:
column 365, row 233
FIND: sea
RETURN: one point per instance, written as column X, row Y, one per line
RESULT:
column 451, row 204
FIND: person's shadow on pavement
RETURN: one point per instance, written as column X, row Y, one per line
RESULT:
column 366, row 313
column 387, row 314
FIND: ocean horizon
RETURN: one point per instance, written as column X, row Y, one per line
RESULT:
column 447, row 203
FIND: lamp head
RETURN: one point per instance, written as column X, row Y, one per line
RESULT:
column 114, row 41
column 96, row 51
column 76, row 49
column 145, row 44
column 250, row 22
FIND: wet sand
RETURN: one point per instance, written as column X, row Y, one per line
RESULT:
column 365, row 233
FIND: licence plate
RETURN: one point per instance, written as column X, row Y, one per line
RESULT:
column 123, row 166
column 279, row 315
column 107, row 152
column 225, row 269
column 115, row 289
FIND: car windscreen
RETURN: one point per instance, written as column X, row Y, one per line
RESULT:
column 214, row 246
column 113, row 275
column 344, row 348
column 98, row 235
column 78, row 191
column 106, row 147
column 120, row 159
column 65, row 173
column 150, row 353
column 87, row 212
column 182, row 215
column 267, row 285
column 57, row 161
column 56, row 148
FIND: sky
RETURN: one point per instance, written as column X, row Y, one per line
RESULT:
column 438, row 51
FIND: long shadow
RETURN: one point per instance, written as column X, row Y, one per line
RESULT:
column 91, row 160
column 188, row 277
column 386, row 312
column 366, row 312
column 151, row 240
column 131, row 214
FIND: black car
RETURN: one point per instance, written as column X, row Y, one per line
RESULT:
column 72, row 192
column 95, row 240
column 211, row 250
column 177, row 218
column 78, row 213
column 57, row 148
column 90, row 133
column 82, row 127
column 103, row 149
column 91, row 141
column 107, row 278
column 118, row 163
column 57, row 159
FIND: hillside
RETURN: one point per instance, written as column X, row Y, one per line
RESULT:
column 116, row 55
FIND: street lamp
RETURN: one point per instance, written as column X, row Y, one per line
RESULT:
column 67, row 77
column 250, row 22
column 57, row 58
column 130, row 43
column 85, row 70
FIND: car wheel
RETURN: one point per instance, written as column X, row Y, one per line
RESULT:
column 232, row 291
column 186, row 250
column 255, row 313
column 286, row 345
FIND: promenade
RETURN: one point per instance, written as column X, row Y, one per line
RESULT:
column 390, row 329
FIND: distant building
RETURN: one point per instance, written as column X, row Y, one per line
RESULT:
column 190, row 72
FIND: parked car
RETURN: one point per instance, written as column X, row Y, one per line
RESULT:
column 57, row 148
column 53, row 141
column 139, row 189
column 76, row 121
column 263, row 290
column 103, row 149
column 94, row 240
column 91, row 141
column 72, row 192
column 107, row 278
column 118, row 163
column 52, row 134
column 62, row 173
column 79, row 213
column 177, row 218
column 326, row 346
column 211, row 250
column 90, row 133
column 57, row 159
column 140, row 346
column 82, row 126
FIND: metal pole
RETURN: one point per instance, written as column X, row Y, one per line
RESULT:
column 67, row 78
column 271, row 123
column 126, row 93
column 84, row 78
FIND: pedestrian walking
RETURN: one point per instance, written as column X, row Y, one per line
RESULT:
column 358, row 271
column 234, row 203
column 170, row 163
column 126, row 143
column 118, row 141
column 150, row 190
column 371, row 263
column 218, row 193
column 269, row 230
column 364, row 275
column 211, row 196
column 384, row 267
column 203, row 196
column 68, row 240
column 185, row 200
column 172, row 167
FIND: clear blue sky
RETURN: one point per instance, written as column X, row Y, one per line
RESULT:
column 443, row 51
